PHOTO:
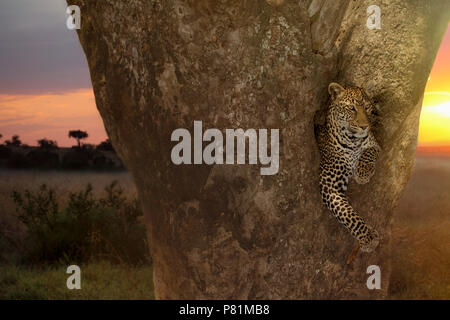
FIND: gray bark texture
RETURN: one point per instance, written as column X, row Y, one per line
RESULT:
column 225, row 231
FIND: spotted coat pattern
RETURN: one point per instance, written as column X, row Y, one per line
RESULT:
column 348, row 149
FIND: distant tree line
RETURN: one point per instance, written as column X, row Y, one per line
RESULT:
column 47, row 154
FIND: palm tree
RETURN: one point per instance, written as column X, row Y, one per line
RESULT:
column 78, row 135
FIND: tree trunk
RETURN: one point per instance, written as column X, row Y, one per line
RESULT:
column 225, row 231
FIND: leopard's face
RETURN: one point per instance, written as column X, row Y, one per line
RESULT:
column 348, row 109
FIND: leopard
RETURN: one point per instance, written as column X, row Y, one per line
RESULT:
column 348, row 150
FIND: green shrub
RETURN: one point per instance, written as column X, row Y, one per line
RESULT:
column 100, row 280
column 85, row 228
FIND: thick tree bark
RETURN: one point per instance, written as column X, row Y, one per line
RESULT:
column 225, row 231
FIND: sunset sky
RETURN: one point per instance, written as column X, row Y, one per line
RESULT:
column 45, row 88
column 435, row 117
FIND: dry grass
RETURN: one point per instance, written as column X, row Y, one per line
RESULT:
column 62, row 181
column 421, row 234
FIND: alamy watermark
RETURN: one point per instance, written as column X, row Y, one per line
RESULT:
column 374, row 280
column 374, row 19
column 74, row 19
column 74, row 280
column 213, row 153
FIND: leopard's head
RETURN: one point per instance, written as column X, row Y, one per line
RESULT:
column 349, row 108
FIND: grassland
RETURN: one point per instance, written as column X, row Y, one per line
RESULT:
column 421, row 240
column 100, row 280
column 63, row 182
column 421, row 234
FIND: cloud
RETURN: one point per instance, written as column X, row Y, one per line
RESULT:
column 38, row 54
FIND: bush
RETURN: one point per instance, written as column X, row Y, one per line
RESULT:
column 85, row 228
column 76, row 158
column 43, row 158
column 18, row 160
column 5, row 152
column 101, row 162
column 106, row 146
column 47, row 144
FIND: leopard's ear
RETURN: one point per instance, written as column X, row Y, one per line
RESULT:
column 335, row 90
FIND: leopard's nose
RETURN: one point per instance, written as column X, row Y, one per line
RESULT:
column 364, row 127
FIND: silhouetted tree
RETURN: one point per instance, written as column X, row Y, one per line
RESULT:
column 88, row 149
column 14, row 142
column 88, row 146
column 105, row 146
column 79, row 135
column 47, row 144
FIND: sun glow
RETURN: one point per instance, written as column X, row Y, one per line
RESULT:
column 435, row 119
column 434, row 129
column 440, row 110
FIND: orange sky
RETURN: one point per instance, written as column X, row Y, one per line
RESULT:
column 435, row 117
column 51, row 116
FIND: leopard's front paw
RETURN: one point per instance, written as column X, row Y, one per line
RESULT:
column 361, row 179
column 364, row 172
column 369, row 241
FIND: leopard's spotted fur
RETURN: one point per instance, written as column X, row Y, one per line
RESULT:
column 348, row 149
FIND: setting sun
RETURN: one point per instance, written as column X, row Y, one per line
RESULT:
column 434, row 129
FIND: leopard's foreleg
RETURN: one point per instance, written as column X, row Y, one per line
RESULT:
column 365, row 167
column 333, row 185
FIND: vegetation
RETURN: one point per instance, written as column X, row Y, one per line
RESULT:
column 421, row 251
column 106, row 146
column 100, row 280
column 47, row 229
column 47, row 144
column 421, row 255
column 15, row 155
column 78, row 135
column 14, row 142
column 85, row 228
